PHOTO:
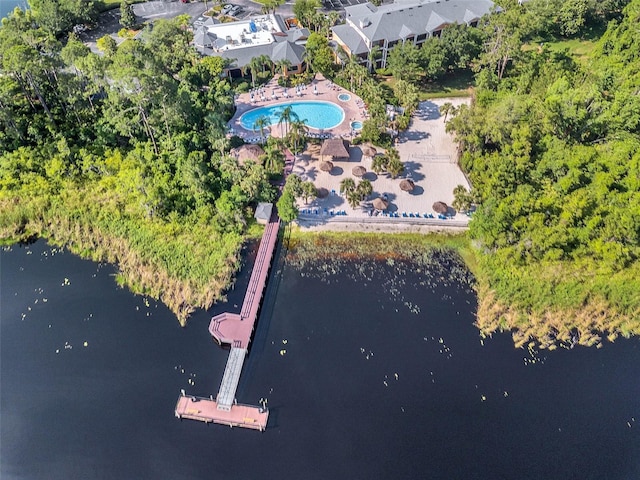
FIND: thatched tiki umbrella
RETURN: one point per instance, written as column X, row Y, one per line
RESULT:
column 380, row 204
column 335, row 148
column 323, row 192
column 248, row 152
column 326, row 166
column 358, row 170
column 407, row 185
column 369, row 152
column 440, row 207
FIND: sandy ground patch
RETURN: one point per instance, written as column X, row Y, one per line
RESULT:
column 430, row 158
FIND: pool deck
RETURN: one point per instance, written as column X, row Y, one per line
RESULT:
column 354, row 109
column 429, row 155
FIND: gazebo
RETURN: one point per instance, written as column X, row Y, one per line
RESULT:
column 336, row 148
column 247, row 152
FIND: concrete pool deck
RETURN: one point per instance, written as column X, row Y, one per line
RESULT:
column 429, row 154
column 354, row 109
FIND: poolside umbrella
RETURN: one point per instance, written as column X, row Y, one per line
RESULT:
column 380, row 204
column 440, row 207
column 323, row 192
column 369, row 151
column 407, row 185
column 326, row 166
column 358, row 170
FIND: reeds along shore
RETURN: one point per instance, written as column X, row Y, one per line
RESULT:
column 586, row 324
column 138, row 270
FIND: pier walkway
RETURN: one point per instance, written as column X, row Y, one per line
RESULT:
column 235, row 330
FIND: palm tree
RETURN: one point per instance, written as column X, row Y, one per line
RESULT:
column 263, row 122
column 395, row 167
column 297, row 133
column 283, row 65
column 347, row 186
column 273, row 158
column 446, row 109
column 374, row 55
column 379, row 163
column 254, row 64
column 364, row 189
column 286, row 115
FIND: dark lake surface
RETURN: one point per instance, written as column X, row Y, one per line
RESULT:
column 370, row 370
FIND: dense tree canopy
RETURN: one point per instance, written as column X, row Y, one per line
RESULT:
column 127, row 148
column 553, row 150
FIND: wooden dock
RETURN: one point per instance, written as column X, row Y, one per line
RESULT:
column 235, row 330
column 206, row 410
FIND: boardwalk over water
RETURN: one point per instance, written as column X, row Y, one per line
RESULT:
column 235, row 330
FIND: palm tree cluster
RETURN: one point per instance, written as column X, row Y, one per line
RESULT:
column 355, row 193
column 389, row 162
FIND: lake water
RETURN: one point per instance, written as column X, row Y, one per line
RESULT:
column 7, row 6
column 458, row 409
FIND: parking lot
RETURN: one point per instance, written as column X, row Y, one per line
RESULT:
column 341, row 4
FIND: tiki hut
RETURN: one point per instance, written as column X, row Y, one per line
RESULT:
column 323, row 192
column 369, row 152
column 440, row 207
column 326, row 166
column 336, row 148
column 358, row 171
column 380, row 204
column 407, row 185
column 247, row 152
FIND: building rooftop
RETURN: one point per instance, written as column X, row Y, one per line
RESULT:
column 413, row 17
column 251, row 32
column 241, row 41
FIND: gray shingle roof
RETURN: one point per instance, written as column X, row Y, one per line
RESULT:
column 350, row 38
column 393, row 21
column 288, row 51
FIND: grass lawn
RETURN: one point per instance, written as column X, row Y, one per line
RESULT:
column 578, row 48
column 451, row 85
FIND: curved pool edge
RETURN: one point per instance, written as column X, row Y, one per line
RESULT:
column 280, row 104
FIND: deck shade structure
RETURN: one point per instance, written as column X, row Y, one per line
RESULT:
column 369, row 152
column 358, row 171
column 248, row 152
column 440, row 207
column 380, row 204
column 336, row 148
column 407, row 185
column 326, row 166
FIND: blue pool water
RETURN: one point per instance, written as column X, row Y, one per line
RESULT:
column 356, row 125
column 318, row 115
column 344, row 97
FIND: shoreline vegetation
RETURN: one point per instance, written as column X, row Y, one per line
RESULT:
column 551, row 326
column 164, row 262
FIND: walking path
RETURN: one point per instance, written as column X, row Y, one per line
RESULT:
column 235, row 330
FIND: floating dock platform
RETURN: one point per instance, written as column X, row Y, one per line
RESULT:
column 207, row 410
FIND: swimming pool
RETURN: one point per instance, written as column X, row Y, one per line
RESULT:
column 318, row 115
column 344, row 97
column 356, row 125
